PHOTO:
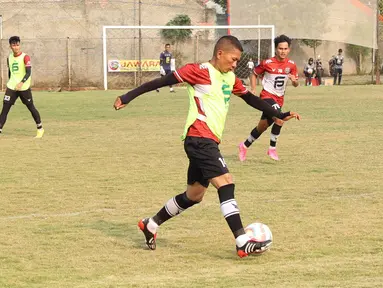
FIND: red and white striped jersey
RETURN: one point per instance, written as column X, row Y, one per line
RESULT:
column 275, row 76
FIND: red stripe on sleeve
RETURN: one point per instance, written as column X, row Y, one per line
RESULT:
column 27, row 61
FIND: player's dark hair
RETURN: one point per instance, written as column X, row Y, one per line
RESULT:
column 340, row 51
column 14, row 39
column 224, row 41
column 167, row 44
column 311, row 59
column 281, row 39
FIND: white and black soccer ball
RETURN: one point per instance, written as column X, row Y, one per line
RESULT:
column 310, row 71
column 260, row 232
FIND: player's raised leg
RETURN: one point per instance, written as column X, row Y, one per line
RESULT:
column 275, row 131
column 173, row 207
column 230, row 210
column 262, row 126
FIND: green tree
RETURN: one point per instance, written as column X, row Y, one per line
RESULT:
column 175, row 36
column 222, row 3
column 314, row 44
column 358, row 54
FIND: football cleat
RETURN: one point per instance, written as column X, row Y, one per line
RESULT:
column 150, row 238
column 253, row 247
column 40, row 133
column 273, row 154
column 242, row 151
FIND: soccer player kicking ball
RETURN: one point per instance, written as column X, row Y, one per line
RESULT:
column 210, row 86
column 19, row 71
column 276, row 72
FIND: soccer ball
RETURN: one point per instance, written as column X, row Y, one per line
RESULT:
column 259, row 231
column 310, row 71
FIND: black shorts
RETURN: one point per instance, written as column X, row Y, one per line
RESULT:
column 12, row 95
column 275, row 106
column 205, row 160
column 338, row 71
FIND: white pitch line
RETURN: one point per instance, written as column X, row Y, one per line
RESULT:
column 340, row 197
column 71, row 214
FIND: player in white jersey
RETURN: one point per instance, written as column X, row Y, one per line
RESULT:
column 276, row 72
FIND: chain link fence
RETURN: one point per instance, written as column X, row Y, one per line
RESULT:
column 125, row 44
column 64, row 37
column 69, row 63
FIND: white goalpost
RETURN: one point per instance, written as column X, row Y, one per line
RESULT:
column 131, row 53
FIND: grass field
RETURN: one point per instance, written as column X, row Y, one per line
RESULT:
column 70, row 202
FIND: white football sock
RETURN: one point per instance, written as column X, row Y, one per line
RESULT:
column 241, row 240
column 152, row 226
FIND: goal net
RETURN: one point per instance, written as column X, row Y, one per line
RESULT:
column 131, row 53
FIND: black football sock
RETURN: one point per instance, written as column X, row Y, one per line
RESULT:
column 254, row 135
column 230, row 209
column 275, row 131
column 173, row 207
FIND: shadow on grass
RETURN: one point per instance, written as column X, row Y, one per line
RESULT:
column 251, row 160
column 128, row 231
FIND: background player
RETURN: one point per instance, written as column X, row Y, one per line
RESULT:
column 309, row 71
column 210, row 86
column 19, row 83
column 276, row 71
column 165, row 64
column 338, row 66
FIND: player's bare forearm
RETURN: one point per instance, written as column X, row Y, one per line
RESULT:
column 19, row 85
column 253, row 82
column 123, row 100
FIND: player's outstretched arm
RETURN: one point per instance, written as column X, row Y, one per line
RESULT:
column 258, row 103
column 123, row 100
column 290, row 115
